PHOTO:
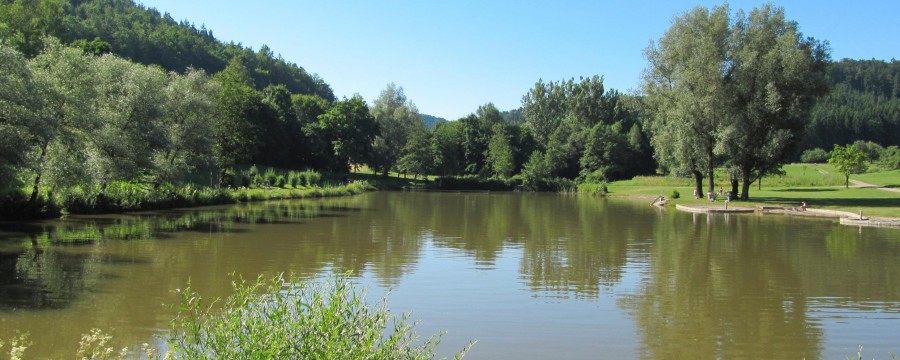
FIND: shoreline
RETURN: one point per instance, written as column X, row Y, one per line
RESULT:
column 844, row 217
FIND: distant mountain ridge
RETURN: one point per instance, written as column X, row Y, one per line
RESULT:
column 431, row 121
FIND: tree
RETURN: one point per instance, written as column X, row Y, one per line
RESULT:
column 447, row 142
column 235, row 132
column 18, row 115
column 775, row 77
column 128, row 127
column 395, row 115
column 65, row 80
column 418, row 154
column 848, row 160
column 350, row 130
column 685, row 87
column 500, row 153
column 189, row 118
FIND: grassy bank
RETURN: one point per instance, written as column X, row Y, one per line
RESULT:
column 816, row 184
column 127, row 197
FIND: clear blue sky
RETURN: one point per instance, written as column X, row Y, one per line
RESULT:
column 452, row 56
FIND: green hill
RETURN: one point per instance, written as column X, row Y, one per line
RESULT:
column 146, row 36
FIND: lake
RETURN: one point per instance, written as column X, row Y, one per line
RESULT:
column 527, row 275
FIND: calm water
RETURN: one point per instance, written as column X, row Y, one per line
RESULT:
column 527, row 275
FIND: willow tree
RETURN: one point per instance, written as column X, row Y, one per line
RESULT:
column 685, row 87
column 65, row 81
column 775, row 78
column 17, row 115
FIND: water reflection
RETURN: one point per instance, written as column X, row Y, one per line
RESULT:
column 693, row 285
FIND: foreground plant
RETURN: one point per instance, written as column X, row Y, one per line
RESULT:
column 280, row 318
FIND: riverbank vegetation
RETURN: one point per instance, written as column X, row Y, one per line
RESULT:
column 96, row 117
column 273, row 318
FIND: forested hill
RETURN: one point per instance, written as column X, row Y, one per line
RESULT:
column 863, row 104
column 146, row 36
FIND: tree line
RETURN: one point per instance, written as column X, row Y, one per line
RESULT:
column 722, row 89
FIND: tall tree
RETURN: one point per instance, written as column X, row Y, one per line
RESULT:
column 128, row 129
column 190, row 112
column 500, row 153
column 685, row 89
column 775, row 77
column 239, row 105
column 65, row 79
column 395, row 115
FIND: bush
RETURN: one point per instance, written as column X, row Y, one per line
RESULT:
column 280, row 181
column 593, row 188
column 293, row 319
column 294, row 179
column 675, row 194
column 473, row 182
column 815, row 156
column 889, row 158
column 270, row 177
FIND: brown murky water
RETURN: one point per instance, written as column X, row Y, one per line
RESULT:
column 527, row 275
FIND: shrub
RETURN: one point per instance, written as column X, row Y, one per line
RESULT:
column 270, row 177
column 280, row 181
column 593, row 188
column 294, row 178
column 253, row 172
column 293, row 319
column 675, row 194
column 817, row 156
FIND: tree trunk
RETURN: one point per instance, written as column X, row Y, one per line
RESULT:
column 734, row 187
column 698, row 183
column 846, row 181
column 40, row 171
column 745, row 186
column 710, row 169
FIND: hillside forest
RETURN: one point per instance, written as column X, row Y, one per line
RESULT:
column 100, row 93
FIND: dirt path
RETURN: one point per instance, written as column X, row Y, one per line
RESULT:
column 861, row 184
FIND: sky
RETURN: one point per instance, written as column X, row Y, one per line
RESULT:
column 452, row 56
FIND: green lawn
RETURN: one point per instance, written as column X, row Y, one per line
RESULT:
column 884, row 178
column 817, row 184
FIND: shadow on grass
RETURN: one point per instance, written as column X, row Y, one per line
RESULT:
column 845, row 203
column 805, row 190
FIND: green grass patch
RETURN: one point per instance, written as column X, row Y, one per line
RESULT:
column 882, row 178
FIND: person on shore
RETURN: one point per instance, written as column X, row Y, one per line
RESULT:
column 803, row 206
column 696, row 194
column 710, row 196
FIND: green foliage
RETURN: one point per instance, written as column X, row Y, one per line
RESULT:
column 889, row 159
column 848, row 160
column 593, row 188
column 675, row 194
column 863, row 104
column 396, row 116
column 349, row 130
column 732, row 89
column 270, row 177
column 147, row 36
column 293, row 319
column 814, row 156
column 474, row 182
column 499, row 153
column 280, row 181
